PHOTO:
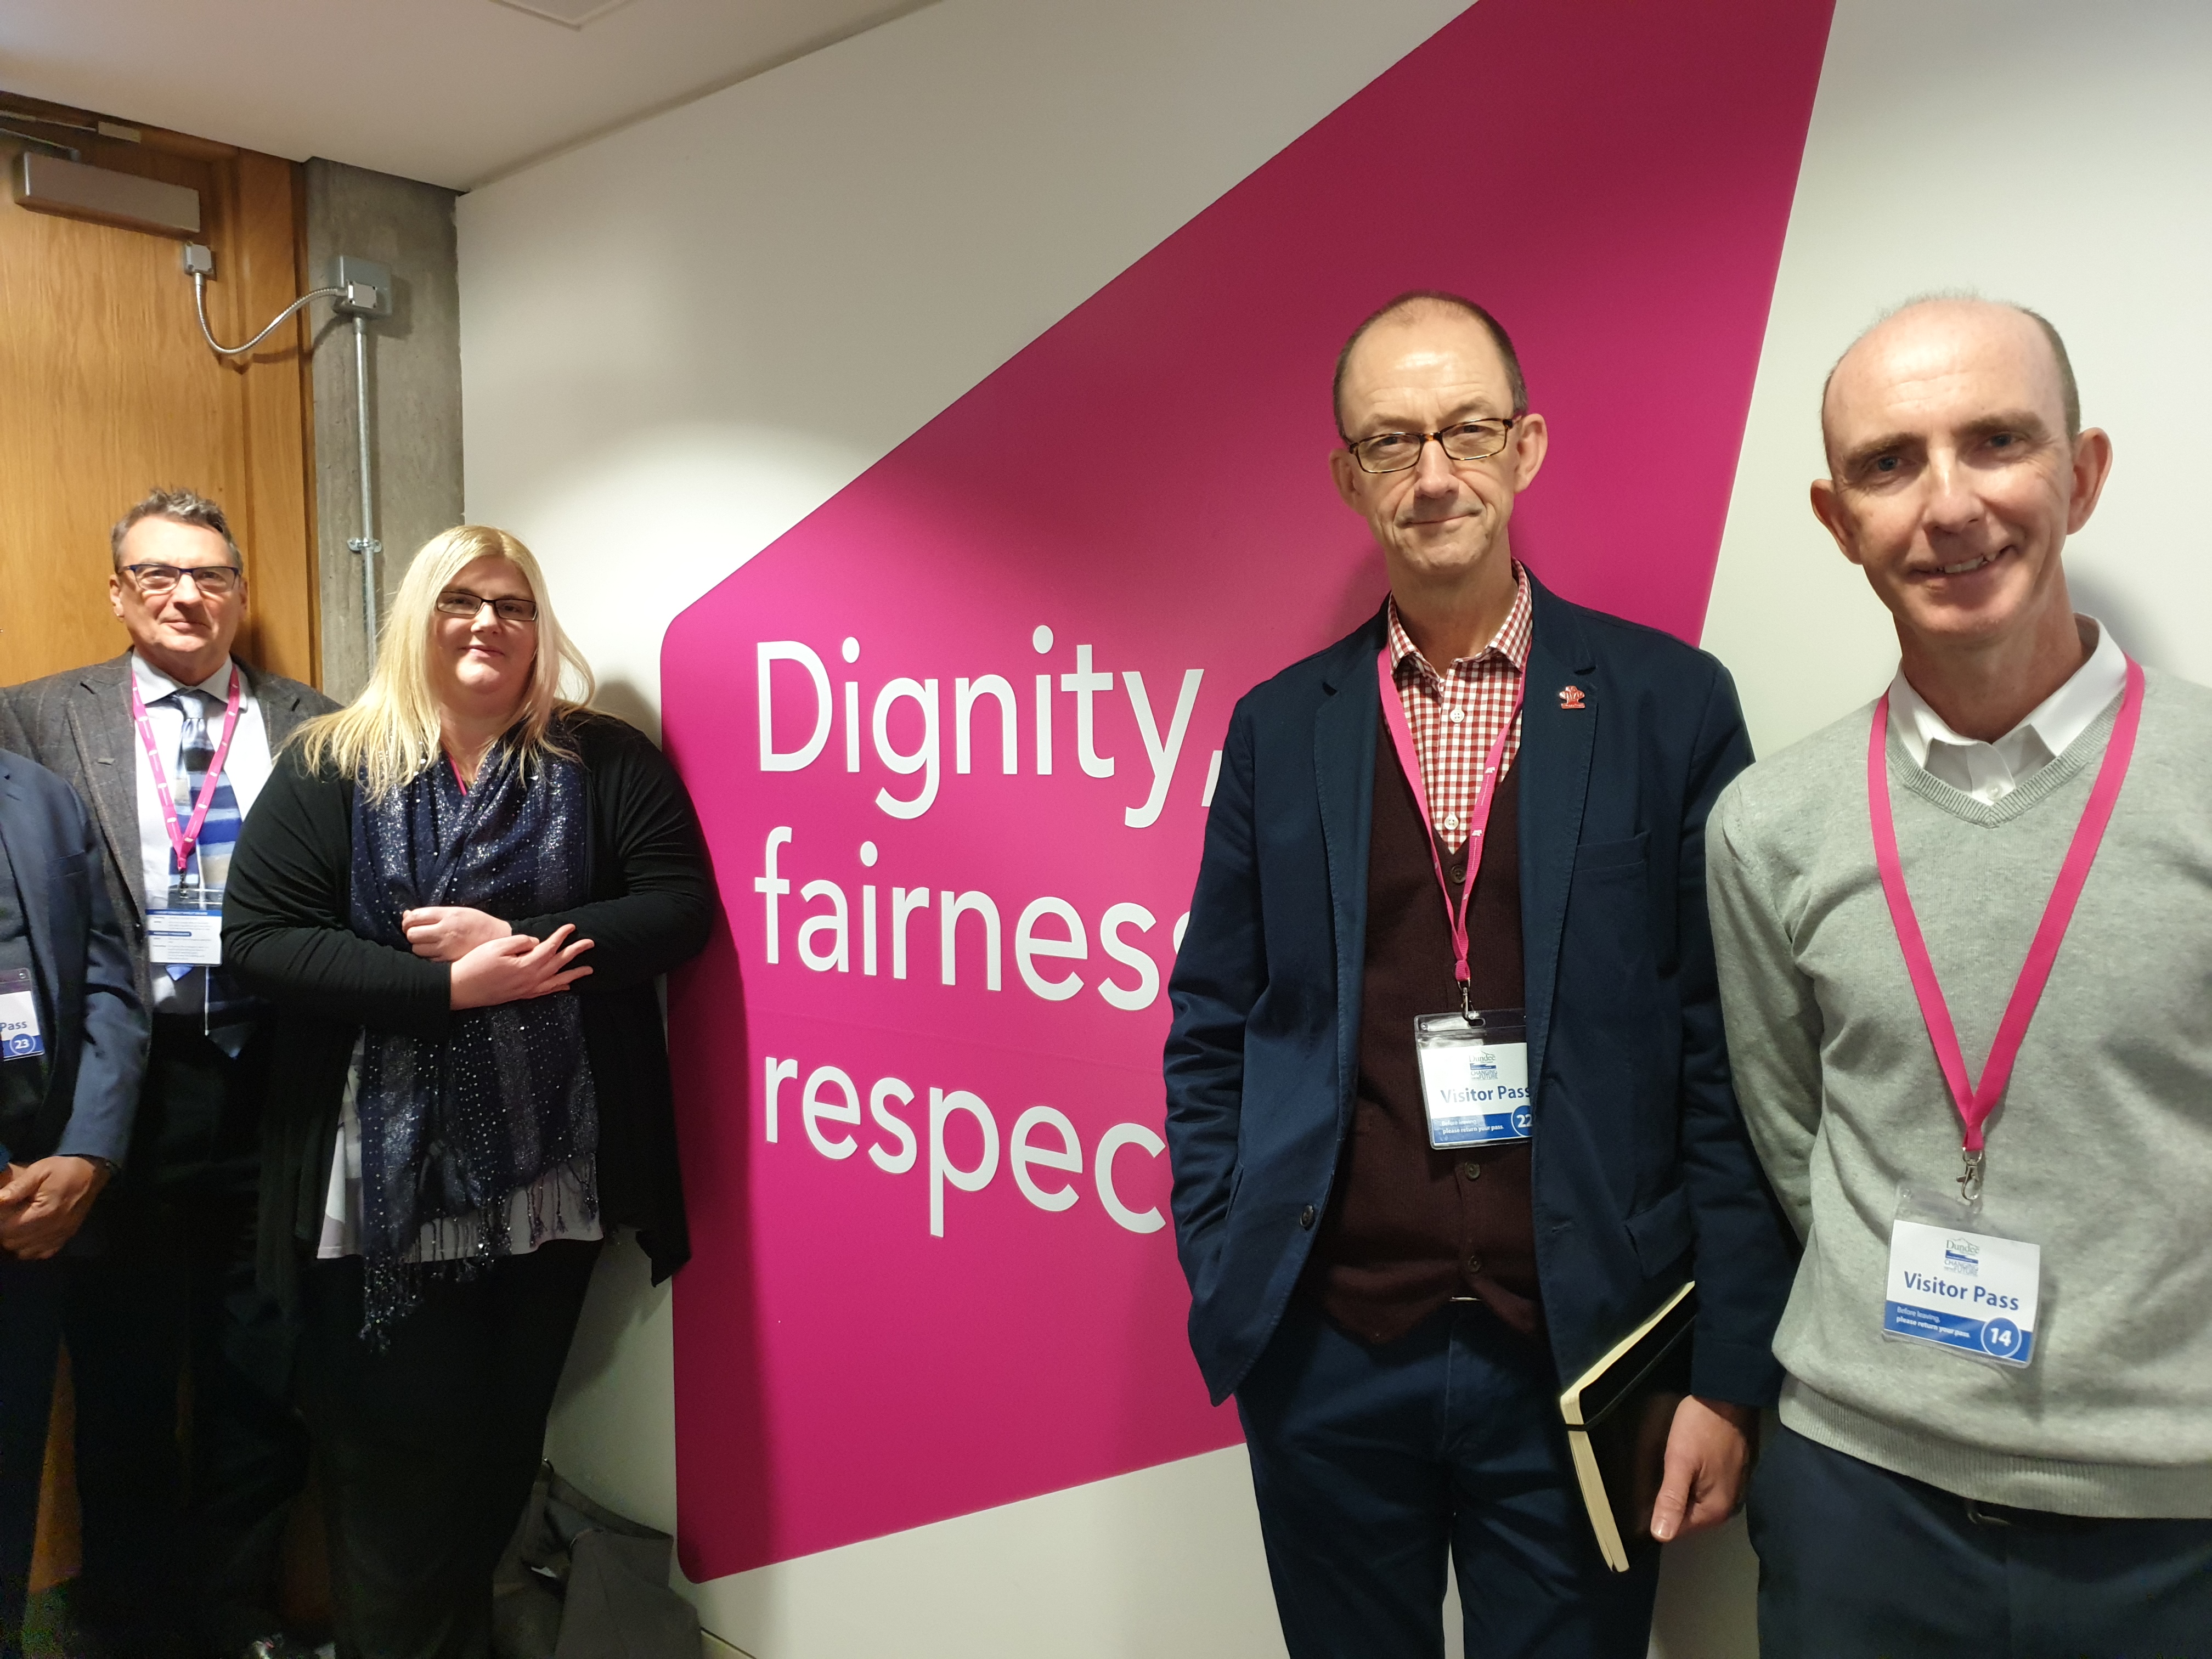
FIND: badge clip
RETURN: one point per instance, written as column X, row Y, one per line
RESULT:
column 1970, row 1176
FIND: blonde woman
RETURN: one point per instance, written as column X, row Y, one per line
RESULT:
column 458, row 892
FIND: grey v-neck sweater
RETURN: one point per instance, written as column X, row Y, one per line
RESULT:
column 2101, row 1151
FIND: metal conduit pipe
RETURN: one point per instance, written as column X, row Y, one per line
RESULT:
column 360, row 290
column 199, row 302
column 366, row 544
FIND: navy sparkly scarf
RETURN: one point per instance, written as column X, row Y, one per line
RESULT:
column 454, row 1126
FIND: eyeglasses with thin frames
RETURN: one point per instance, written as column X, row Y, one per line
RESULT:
column 1467, row 440
column 213, row 581
column 459, row 602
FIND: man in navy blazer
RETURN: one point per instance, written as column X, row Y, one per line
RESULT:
column 74, row 1052
column 1394, row 1290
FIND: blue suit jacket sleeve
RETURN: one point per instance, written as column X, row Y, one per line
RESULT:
column 1219, row 977
column 96, row 1052
column 1743, row 1262
column 113, row 1061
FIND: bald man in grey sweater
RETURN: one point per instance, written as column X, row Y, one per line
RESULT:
column 1997, row 1415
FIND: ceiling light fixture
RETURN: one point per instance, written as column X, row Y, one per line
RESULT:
column 569, row 14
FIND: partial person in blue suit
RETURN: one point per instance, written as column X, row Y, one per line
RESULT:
column 1486, row 798
column 72, row 1050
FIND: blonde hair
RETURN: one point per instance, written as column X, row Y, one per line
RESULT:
column 389, row 732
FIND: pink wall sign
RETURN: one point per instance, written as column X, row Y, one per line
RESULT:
column 953, row 739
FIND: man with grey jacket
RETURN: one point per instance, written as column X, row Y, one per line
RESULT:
column 169, row 745
column 1965, row 941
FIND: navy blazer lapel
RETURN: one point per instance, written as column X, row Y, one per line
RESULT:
column 1344, row 780
column 100, row 726
column 1558, row 729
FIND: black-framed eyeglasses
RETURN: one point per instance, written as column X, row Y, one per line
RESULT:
column 459, row 602
column 214, row 581
column 1468, row 441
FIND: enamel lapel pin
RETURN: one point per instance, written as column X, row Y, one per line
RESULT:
column 1571, row 696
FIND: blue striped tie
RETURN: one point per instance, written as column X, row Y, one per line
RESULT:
column 218, row 837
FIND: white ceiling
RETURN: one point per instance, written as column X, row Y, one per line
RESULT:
column 455, row 92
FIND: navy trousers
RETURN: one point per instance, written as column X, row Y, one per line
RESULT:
column 30, row 1342
column 180, row 1557
column 1371, row 1465
column 1858, row 1563
column 428, row 1449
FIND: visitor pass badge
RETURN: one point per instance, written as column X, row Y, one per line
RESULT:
column 184, row 936
column 18, row 1015
column 1972, row 1292
column 1474, row 1077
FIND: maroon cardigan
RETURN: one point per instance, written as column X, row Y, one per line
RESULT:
column 1407, row 1227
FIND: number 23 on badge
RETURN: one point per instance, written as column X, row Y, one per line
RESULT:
column 1474, row 1076
column 20, row 1038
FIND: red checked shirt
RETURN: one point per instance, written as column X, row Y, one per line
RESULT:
column 1456, row 716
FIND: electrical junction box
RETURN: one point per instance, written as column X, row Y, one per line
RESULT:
column 368, row 287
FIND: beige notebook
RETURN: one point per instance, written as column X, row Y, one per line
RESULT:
column 1617, row 1414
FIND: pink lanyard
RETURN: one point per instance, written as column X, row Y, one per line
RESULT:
column 1409, row 759
column 1975, row 1101
column 184, row 837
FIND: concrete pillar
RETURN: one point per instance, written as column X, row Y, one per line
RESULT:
column 415, row 393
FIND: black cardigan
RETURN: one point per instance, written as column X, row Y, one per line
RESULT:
column 286, row 937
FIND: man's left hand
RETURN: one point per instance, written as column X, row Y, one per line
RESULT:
column 43, row 1204
column 1708, row 1454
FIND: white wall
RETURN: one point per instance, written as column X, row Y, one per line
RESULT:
column 680, row 340
column 687, row 336
column 2037, row 150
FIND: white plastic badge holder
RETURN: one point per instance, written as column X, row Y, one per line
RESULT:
column 193, row 937
column 20, row 1037
column 1958, row 1287
column 1474, row 1076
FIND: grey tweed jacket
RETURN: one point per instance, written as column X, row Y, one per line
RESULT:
column 77, row 725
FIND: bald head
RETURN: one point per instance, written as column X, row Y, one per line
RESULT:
column 1959, row 469
column 1432, row 305
column 1946, row 334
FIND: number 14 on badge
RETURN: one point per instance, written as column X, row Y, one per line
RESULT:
column 1972, row 1292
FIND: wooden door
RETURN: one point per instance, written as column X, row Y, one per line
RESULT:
column 107, row 390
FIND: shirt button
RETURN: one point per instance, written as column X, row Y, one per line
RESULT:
column 1458, row 716
column 1451, row 820
column 1474, row 1264
column 1306, row 1216
column 1471, row 1169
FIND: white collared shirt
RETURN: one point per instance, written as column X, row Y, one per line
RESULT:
column 1990, row 771
column 246, row 766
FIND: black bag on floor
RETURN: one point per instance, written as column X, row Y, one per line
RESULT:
column 579, row 1582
